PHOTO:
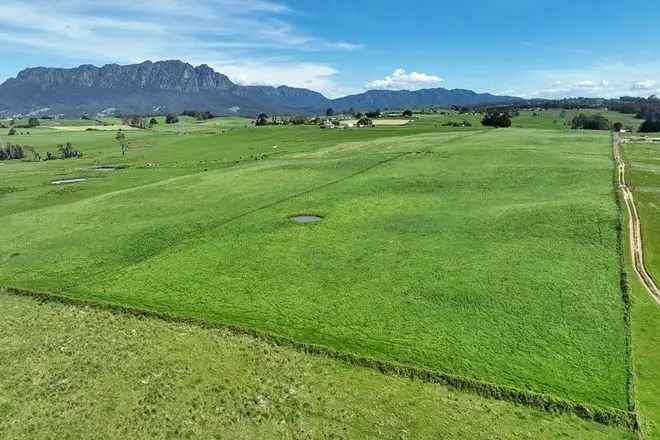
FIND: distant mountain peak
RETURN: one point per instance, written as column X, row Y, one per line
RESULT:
column 174, row 86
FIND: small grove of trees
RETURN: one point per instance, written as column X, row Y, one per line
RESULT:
column 67, row 151
column 199, row 115
column 329, row 112
column 407, row 113
column 365, row 122
column 650, row 126
column 373, row 114
column 11, row 151
column 590, row 122
column 153, row 122
column 496, row 119
column 12, row 131
column 171, row 118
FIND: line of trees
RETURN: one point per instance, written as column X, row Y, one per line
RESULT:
column 590, row 122
column 199, row 115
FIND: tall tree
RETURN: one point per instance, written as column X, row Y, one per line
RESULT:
column 262, row 119
column 123, row 141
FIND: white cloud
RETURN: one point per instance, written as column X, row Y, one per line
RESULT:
column 314, row 76
column 219, row 32
column 589, row 84
column 586, row 84
column 604, row 79
column 648, row 84
column 402, row 80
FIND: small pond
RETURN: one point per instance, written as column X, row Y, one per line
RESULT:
column 305, row 218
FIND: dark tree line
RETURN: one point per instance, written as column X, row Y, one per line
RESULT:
column 650, row 126
column 496, row 119
column 590, row 122
column 199, row 115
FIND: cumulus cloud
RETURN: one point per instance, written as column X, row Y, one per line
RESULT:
column 585, row 84
column 314, row 76
column 606, row 79
column 402, row 80
column 648, row 84
column 589, row 84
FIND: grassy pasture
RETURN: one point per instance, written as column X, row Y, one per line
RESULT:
column 449, row 116
column 71, row 372
column 646, row 356
column 379, row 122
column 561, row 119
column 93, row 127
column 484, row 253
column 643, row 174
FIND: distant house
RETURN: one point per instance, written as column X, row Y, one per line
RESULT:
column 327, row 124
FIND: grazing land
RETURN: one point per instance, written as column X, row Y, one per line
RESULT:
column 77, row 372
column 561, row 119
column 644, row 177
column 643, row 174
column 378, row 122
column 488, row 254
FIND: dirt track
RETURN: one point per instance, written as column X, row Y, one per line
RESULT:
column 635, row 231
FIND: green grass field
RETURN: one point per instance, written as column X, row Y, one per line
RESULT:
column 75, row 372
column 561, row 119
column 644, row 177
column 490, row 254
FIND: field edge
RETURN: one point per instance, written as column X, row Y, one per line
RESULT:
column 544, row 402
column 626, row 292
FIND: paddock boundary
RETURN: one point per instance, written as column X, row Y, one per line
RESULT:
column 540, row 401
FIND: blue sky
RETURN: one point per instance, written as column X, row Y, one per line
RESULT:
column 521, row 47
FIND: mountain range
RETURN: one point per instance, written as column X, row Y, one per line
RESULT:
column 175, row 86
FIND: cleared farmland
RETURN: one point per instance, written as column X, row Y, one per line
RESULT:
column 72, row 372
column 643, row 174
column 489, row 254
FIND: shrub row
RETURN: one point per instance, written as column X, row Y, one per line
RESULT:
column 625, row 293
